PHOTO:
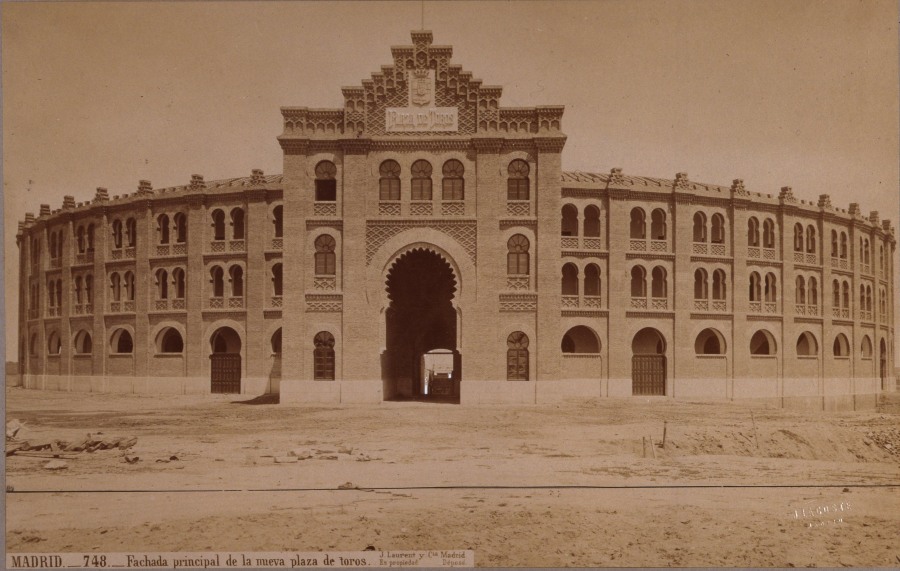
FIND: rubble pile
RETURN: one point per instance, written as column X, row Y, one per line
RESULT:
column 888, row 440
column 61, row 448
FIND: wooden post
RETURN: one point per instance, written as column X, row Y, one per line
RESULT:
column 652, row 448
column 644, row 440
column 665, row 425
column 755, row 434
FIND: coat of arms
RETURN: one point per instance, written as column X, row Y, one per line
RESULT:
column 421, row 88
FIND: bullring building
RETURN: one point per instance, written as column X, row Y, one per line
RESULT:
column 424, row 243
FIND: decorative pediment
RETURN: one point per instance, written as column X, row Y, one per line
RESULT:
column 421, row 93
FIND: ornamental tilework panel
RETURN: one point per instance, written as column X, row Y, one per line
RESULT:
column 377, row 233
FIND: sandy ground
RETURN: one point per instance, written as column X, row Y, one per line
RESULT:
column 562, row 485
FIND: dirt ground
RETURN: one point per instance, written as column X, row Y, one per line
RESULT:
column 564, row 485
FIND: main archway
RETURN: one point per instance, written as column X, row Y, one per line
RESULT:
column 225, row 361
column 421, row 322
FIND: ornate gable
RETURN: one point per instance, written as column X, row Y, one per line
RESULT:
column 422, row 93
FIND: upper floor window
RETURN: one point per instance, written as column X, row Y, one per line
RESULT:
column 638, row 226
column 237, row 224
column 162, row 284
column 236, row 275
column 453, row 184
column 843, row 245
column 129, row 285
column 719, row 285
column 389, row 183
column 218, row 224
column 117, row 234
column 699, row 227
column 276, row 280
column 592, row 222
column 755, row 287
column 753, row 232
column 131, row 232
column 570, row 279
column 569, row 220
column 768, row 233
column 798, row 237
column 178, row 282
column 278, row 220
column 517, row 255
column 592, row 285
column 518, row 184
column 638, row 282
column 421, row 180
column 834, row 244
column 701, row 285
column 659, row 285
column 771, row 292
column 811, row 239
column 180, row 223
column 163, row 228
column 324, row 257
column 718, row 229
column 658, row 224
column 217, row 278
column 326, row 185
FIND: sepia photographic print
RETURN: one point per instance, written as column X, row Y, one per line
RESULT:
column 451, row 284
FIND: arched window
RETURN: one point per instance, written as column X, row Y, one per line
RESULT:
column 806, row 345
column 835, row 293
column 845, row 295
column 131, row 232
column 592, row 286
column 276, row 279
column 592, row 222
column 129, row 285
column 841, row 346
column 115, row 284
column 881, row 258
column 276, row 342
column 718, row 229
column 580, row 339
column 517, row 356
column 78, row 289
column 517, row 183
column 324, row 257
column 638, row 282
column 866, row 251
column 51, row 293
column 453, row 185
column 121, row 342
column 90, row 238
column 660, row 286
column 638, row 224
column 771, row 287
column 117, row 234
column 83, row 345
column 33, row 345
column 834, row 244
column 79, row 240
column 162, row 284
column 217, row 275
column 869, row 298
column 218, row 223
column 178, row 282
column 169, row 341
column 569, row 220
column 813, row 298
column 53, row 245
column 237, row 224
column 278, row 221
column 236, row 275
column 389, row 183
column 570, row 279
column 323, row 356
column 811, row 239
column 701, row 284
column 752, row 232
column 719, row 286
column 709, row 342
column 699, row 227
column 843, row 246
column 180, row 221
column 326, row 185
column 421, row 180
column 798, row 237
column 54, row 344
column 58, row 293
column 768, row 233
column 162, row 228
column 658, row 224
column 866, row 347
column 517, row 256
column 762, row 343
column 801, row 290
column 862, row 297
column 755, row 287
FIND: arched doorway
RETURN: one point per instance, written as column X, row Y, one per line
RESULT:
column 420, row 319
column 648, row 363
column 225, row 361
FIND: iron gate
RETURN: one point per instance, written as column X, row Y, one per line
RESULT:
column 648, row 375
column 225, row 372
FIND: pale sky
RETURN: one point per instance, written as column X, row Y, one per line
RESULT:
column 780, row 93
